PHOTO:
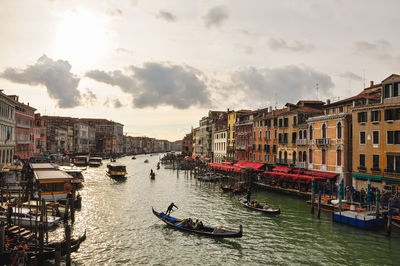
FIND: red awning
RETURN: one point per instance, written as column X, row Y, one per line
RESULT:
column 320, row 174
column 206, row 159
column 282, row 169
column 239, row 163
column 253, row 165
column 195, row 156
column 227, row 162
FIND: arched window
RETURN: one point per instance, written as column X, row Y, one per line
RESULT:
column 339, row 130
column 311, row 132
column 324, row 131
column 300, row 156
column 280, row 155
column 285, row 156
column 294, row 157
column 305, row 134
column 304, row 156
column 300, row 134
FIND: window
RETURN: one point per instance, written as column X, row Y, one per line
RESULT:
column 362, row 162
column 260, row 134
column 362, row 117
column 341, row 109
column 274, row 148
column 286, row 122
column 324, row 131
column 339, row 157
column 285, row 137
column 294, row 137
column 392, row 114
column 275, row 122
column 375, row 137
column 275, row 134
column 375, row 162
column 323, row 153
column 396, row 89
column 304, row 156
column 339, row 130
column 300, row 156
column 259, row 147
column 311, row 132
column 280, row 137
column 393, row 163
column 362, row 137
column 280, row 122
column 393, row 137
column 294, row 120
column 386, row 90
column 375, row 116
column 300, row 134
column 305, row 134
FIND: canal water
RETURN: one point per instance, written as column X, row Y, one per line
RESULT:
column 122, row 230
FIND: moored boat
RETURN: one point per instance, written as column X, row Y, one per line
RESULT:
column 95, row 161
column 25, row 218
column 216, row 232
column 116, row 171
column 259, row 208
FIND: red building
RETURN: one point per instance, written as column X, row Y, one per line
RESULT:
column 187, row 144
column 24, row 123
column 39, row 135
column 244, row 137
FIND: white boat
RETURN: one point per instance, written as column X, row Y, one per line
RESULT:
column 81, row 160
column 25, row 218
column 95, row 161
column 76, row 173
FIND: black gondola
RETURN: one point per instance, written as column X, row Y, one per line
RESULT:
column 260, row 209
column 206, row 230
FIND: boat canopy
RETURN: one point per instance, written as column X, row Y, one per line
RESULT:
column 95, row 159
column 116, row 166
column 42, row 166
column 52, row 175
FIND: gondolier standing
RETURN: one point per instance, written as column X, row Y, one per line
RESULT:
column 170, row 208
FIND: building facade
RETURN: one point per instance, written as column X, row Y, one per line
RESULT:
column 7, row 129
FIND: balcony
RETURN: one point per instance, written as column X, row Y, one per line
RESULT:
column 242, row 133
column 302, row 165
column 241, row 147
column 283, row 141
column 24, row 142
column 301, row 142
column 322, row 142
column 283, row 161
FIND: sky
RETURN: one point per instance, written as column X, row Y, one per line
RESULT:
column 158, row 66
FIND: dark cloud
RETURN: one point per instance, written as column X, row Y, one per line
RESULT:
column 157, row 84
column 216, row 16
column 56, row 76
column 294, row 46
column 350, row 75
column 166, row 16
column 114, row 103
column 285, row 84
column 115, row 12
column 89, row 97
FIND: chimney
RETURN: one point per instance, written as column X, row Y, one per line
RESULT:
column 328, row 101
column 371, row 83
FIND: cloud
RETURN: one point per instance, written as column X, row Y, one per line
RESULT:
column 293, row 46
column 115, row 12
column 157, row 84
column 350, row 75
column 89, row 97
column 124, row 51
column 114, row 103
column 56, row 76
column 216, row 16
column 166, row 16
column 263, row 86
column 380, row 45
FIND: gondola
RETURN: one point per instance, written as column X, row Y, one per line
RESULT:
column 63, row 244
column 260, row 209
column 205, row 231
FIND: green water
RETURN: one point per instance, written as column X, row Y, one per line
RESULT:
column 122, row 230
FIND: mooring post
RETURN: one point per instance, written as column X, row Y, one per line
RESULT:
column 57, row 256
column 2, row 238
column 72, row 204
column 389, row 222
column 312, row 195
column 68, row 242
column 319, row 204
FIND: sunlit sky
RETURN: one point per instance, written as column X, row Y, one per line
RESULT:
column 158, row 66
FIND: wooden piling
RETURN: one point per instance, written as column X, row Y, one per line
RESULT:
column 57, row 257
column 68, row 242
column 319, row 204
column 73, row 206
column 312, row 196
column 2, row 238
column 389, row 222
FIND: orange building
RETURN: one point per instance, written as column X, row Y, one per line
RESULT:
column 376, row 145
column 330, row 138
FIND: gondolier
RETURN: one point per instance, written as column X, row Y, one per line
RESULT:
column 170, row 208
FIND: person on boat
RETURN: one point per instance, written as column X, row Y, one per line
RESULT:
column 266, row 206
column 151, row 173
column 248, row 196
column 170, row 208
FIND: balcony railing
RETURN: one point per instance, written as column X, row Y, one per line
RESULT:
column 301, row 142
column 242, row 133
column 283, row 161
column 283, row 142
column 303, row 165
column 241, row 147
column 323, row 142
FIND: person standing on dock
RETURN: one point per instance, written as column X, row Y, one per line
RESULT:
column 170, row 208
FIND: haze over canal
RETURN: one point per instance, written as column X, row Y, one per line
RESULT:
column 121, row 228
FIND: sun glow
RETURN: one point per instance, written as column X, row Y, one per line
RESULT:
column 81, row 37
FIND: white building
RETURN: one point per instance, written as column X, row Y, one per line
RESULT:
column 81, row 138
column 7, row 129
column 220, row 141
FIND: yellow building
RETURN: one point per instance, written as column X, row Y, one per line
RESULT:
column 376, row 143
column 195, row 141
column 232, row 119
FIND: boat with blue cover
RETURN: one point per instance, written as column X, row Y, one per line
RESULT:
column 216, row 232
